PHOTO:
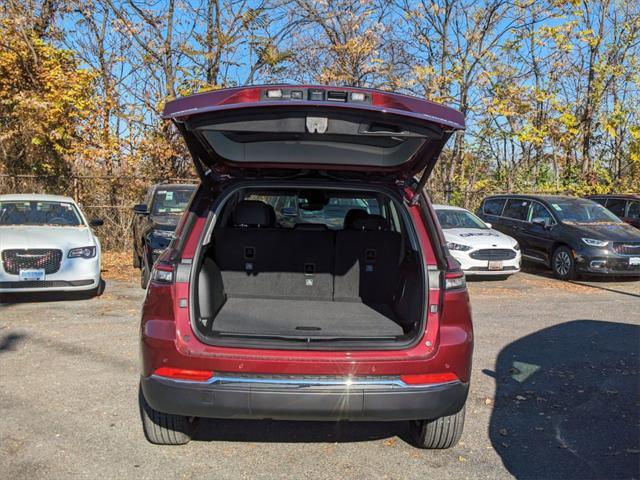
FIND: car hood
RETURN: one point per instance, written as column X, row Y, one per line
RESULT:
column 244, row 131
column 479, row 237
column 616, row 232
column 28, row 237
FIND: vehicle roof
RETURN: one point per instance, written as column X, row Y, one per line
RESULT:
column 626, row 196
column 448, row 207
column 250, row 96
column 35, row 197
column 544, row 198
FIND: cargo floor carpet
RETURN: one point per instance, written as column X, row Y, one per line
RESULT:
column 308, row 318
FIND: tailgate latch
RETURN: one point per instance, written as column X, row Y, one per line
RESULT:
column 317, row 124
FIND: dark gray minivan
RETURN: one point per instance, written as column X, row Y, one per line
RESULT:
column 570, row 235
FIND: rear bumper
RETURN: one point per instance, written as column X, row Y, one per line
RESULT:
column 257, row 399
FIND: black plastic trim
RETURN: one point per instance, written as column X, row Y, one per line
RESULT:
column 293, row 402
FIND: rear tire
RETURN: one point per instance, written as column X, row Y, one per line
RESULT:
column 441, row 433
column 563, row 264
column 164, row 428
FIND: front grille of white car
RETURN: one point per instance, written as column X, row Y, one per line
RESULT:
column 493, row 254
column 15, row 260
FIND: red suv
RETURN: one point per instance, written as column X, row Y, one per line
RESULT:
column 308, row 278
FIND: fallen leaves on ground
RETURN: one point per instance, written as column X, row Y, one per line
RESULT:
column 117, row 266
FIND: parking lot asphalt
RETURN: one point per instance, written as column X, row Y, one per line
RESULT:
column 555, row 394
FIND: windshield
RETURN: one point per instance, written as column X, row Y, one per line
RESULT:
column 32, row 212
column 459, row 219
column 583, row 212
column 174, row 200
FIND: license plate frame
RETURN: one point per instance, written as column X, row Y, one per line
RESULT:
column 634, row 261
column 32, row 275
column 495, row 265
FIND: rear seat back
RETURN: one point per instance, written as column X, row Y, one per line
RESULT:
column 258, row 260
column 366, row 260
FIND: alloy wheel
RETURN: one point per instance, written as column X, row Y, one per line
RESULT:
column 562, row 263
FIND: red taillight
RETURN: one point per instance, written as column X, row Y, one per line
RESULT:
column 184, row 374
column 428, row 378
column 162, row 272
column 454, row 279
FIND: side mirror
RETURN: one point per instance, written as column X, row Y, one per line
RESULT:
column 488, row 225
column 141, row 209
column 96, row 222
column 542, row 222
column 288, row 212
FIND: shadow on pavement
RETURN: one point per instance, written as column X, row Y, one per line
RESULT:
column 272, row 431
column 567, row 404
column 9, row 341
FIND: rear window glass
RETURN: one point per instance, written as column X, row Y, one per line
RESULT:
column 294, row 209
column 616, row 206
column 493, row 206
column 517, row 209
column 634, row 210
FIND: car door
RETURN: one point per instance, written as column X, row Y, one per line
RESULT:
column 538, row 231
column 514, row 218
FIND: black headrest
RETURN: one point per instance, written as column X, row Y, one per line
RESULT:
column 253, row 213
column 352, row 215
column 313, row 227
column 371, row 223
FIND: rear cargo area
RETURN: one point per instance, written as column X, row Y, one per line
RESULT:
column 268, row 316
column 306, row 281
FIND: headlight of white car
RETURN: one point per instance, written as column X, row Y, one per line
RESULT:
column 592, row 242
column 457, row 246
column 82, row 252
column 516, row 247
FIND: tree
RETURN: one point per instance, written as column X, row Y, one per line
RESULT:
column 45, row 97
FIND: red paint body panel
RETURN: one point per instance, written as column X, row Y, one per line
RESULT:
column 246, row 97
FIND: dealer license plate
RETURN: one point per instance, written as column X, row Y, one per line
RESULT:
column 495, row 265
column 32, row 275
column 634, row 261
